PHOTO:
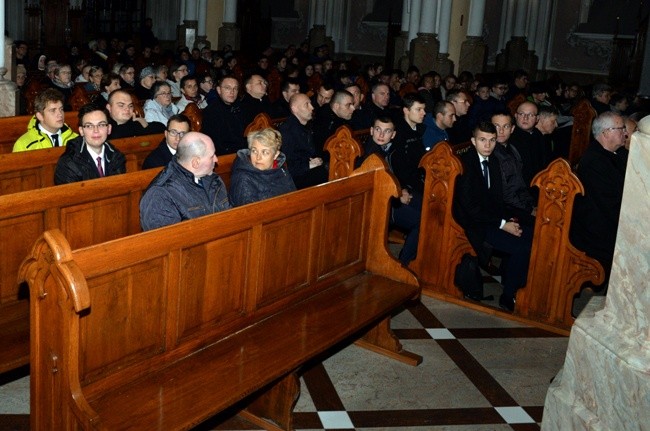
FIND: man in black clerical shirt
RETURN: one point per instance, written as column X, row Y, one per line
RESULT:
column 222, row 119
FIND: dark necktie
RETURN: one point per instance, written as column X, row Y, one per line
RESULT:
column 486, row 173
column 99, row 167
column 55, row 140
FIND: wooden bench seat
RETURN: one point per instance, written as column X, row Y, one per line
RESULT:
column 164, row 329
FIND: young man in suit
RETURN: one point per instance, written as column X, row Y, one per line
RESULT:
column 480, row 210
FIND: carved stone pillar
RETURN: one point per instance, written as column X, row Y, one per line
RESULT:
column 425, row 48
column 474, row 50
column 317, row 34
column 9, row 97
column 442, row 64
column 516, row 52
column 229, row 32
column 605, row 381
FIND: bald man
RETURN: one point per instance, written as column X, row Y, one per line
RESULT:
column 187, row 188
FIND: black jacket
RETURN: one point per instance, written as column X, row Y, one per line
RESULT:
column 133, row 128
column 251, row 106
column 160, row 156
column 249, row 184
column 325, row 124
column 406, row 157
column 76, row 163
column 298, row 147
column 174, row 196
column 225, row 125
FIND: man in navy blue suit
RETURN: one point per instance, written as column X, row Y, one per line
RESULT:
column 480, row 210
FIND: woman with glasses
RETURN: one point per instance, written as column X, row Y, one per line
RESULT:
column 63, row 82
column 206, row 87
column 160, row 107
column 95, row 75
column 259, row 172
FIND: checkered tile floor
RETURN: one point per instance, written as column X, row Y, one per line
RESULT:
column 479, row 373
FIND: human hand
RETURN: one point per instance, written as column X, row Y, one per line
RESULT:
column 512, row 228
column 314, row 162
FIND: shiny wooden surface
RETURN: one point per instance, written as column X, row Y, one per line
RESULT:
column 87, row 213
column 343, row 150
column 583, row 115
column 163, row 329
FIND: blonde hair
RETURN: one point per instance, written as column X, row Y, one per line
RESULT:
column 268, row 137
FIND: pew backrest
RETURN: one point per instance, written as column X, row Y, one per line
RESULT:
column 583, row 115
column 14, row 127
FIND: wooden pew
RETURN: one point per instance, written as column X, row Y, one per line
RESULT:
column 35, row 169
column 583, row 115
column 556, row 270
column 14, row 127
column 130, row 350
column 111, row 203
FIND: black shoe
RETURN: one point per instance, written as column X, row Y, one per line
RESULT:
column 506, row 303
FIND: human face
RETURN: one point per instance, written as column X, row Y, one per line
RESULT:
column 504, row 128
column 65, row 75
column 121, row 107
column 324, row 96
column 547, row 124
column 381, row 96
column 484, row 142
column 604, row 97
column 148, row 81
column 204, row 165
column 263, row 63
column 526, row 116
column 85, row 72
column 256, row 87
column 327, row 65
column 309, row 70
column 293, row 89
column 228, row 90
column 164, row 95
column 115, row 85
column 207, row 84
column 95, row 129
column 344, row 109
column 191, row 88
column 521, row 82
column 461, row 103
column 450, row 83
column 96, row 74
column 180, row 73
column 262, row 157
column 448, row 118
column 415, row 114
column 483, row 93
column 499, row 90
column 356, row 95
column 128, row 75
column 613, row 137
column 631, row 126
column 52, row 117
column 382, row 133
column 175, row 131
column 302, row 108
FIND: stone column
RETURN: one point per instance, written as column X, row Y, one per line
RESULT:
column 605, row 381
column 425, row 48
column 201, row 37
column 401, row 45
column 187, row 30
column 507, row 17
column 229, row 33
column 531, row 34
column 317, row 35
column 540, row 43
column 8, row 89
column 517, row 48
column 443, row 65
column 332, row 20
column 474, row 50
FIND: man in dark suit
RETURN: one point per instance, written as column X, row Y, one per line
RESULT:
column 480, row 210
column 177, row 127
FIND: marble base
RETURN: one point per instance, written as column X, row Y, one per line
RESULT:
column 400, row 48
column 604, row 384
column 317, row 36
column 424, row 50
column 443, row 65
column 9, row 96
column 230, row 34
column 516, row 52
column 473, row 55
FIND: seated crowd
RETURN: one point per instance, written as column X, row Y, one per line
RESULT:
column 406, row 114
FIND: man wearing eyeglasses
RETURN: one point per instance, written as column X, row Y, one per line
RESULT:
column 528, row 141
column 602, row 173
column 179, row 125
column 90, row 155
column 223, row 121
column 255, row 99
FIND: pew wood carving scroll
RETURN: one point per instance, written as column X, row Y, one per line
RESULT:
column 343, row 150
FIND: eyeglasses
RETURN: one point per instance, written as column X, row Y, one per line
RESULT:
column 208, row 81
column 90, row 126
column 226, row 88
column 617, row 128
column 174, row 133
column 164, row 94
column 526, row 115
column 381, row 131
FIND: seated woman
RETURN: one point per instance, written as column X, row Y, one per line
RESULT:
column 160, row 107
column 258, row 172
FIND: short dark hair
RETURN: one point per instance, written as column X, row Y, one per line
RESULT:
column 179, row 118
column 504, row 113
column 384, row 119
column 47, row 95
column 440, row 107
column 88, row 108
column 188, row 78
column 484, row 126
column 289, row 81
column 410, row 98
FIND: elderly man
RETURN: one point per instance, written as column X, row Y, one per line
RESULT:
column 187, row 188
column 177, row 127
column 528, row 140
column 600, row 97
column 602, row 173
column 305, row 166
column 90, row 155
column 222, row 119
column 124, row 122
